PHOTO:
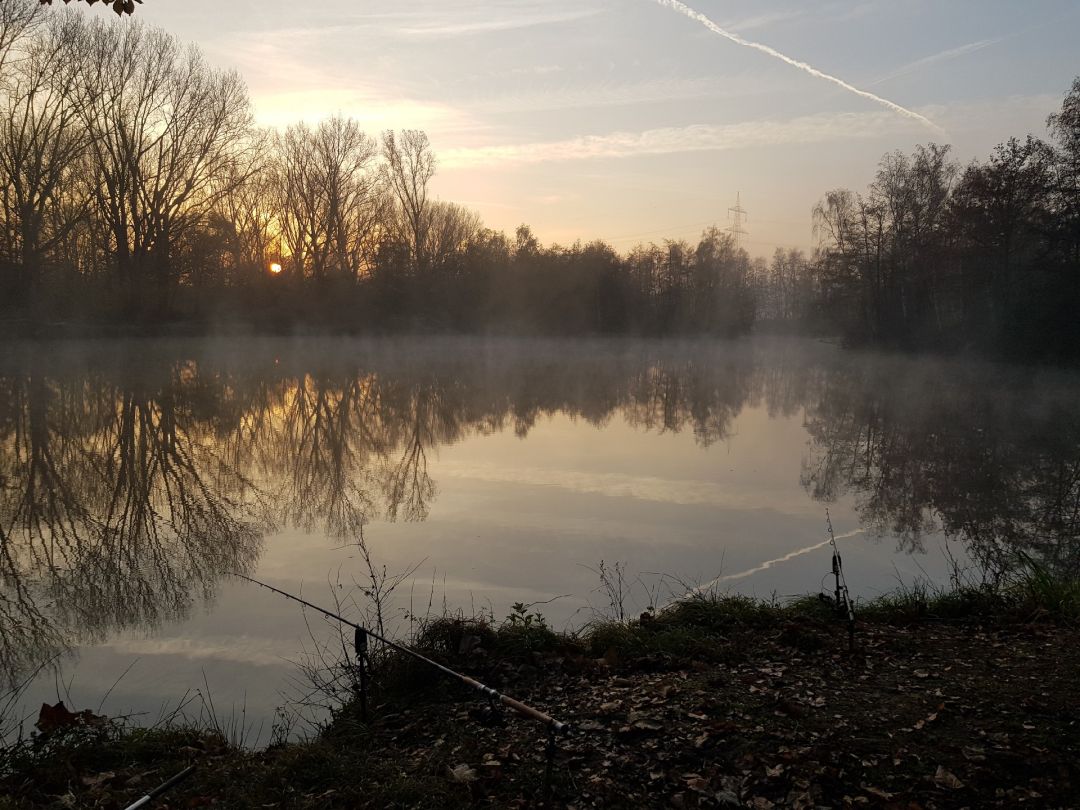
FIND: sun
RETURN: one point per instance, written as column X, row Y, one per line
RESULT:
column 275, row 268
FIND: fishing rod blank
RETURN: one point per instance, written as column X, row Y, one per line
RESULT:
column 492, row 694
column 164, row 786
column 842, row 594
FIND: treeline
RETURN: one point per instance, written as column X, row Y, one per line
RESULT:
column 985, row 256
column 134, row 188
column 139, row 192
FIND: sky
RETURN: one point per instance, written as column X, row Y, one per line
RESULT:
column 630, row 121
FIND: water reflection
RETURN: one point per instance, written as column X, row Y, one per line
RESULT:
column 985, row 454
column 132, row 479
column 115, row 508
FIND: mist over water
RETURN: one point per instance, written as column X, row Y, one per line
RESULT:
column 135, row 476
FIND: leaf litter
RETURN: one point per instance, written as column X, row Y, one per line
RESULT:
column 919, row 717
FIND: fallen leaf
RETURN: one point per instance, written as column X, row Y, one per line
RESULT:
column 51, row 718
column 462, row 774
column 98, row 779
column 947, row 779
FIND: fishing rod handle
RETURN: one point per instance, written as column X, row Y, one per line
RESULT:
column 517, row 705
column 145, row 800
column 535, row 714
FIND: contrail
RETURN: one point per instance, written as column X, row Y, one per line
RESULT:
column 769, row 563
column 952, row 53
column 813, row 71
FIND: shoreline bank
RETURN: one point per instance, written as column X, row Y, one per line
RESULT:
column 969, row 697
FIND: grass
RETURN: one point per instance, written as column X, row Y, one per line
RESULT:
column 921, row 601
column 1038, row 591
column 1031, row 591
column 708, row 626
column 40, row 772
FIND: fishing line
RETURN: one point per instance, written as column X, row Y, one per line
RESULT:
column 361, row 635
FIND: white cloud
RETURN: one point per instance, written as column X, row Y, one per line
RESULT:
column 536, row 70
column 977, row 128
column 685, row 492
column 246, row 650
column 289, row 83
column 694, row 138
column 842, row 12
column 372, row 110
column 440, row 20
column 617, row 94
column 764, row 20
column 452, row 27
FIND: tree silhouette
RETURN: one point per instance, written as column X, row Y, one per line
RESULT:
column 140, row 194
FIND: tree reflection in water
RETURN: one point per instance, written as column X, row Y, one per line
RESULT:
column 132, row 479
column 988, row 455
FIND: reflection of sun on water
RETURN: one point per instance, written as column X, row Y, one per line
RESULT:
column 275, row 268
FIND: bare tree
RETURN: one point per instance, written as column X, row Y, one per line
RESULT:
column 1000, row 215
column 331, row 204
column 18, row 20
column 165, row 129
column 1065, row 127
column 345, row 157
column 43, row 193
column 409, row 167
column 787, row 278
column 452, row 228
column 248, row 208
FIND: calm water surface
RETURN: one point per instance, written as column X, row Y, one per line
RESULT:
column 135, row 476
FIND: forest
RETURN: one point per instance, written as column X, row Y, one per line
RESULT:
column 141, row 196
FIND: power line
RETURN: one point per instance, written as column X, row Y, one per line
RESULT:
column 669, row 229
column 737, row 215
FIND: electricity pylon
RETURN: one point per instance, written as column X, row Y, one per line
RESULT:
column 737, row 215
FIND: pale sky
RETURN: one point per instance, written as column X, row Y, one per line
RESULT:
column 629, row 121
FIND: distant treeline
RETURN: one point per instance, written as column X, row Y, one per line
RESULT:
column 139, row 193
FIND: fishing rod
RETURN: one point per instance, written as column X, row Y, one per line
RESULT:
column 841, row 593
column 361, row 644
column 164, row 786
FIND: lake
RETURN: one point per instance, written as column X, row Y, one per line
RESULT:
column 135, row 477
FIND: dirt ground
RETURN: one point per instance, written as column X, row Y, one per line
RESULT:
column 933, row 715
column 926, row 716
